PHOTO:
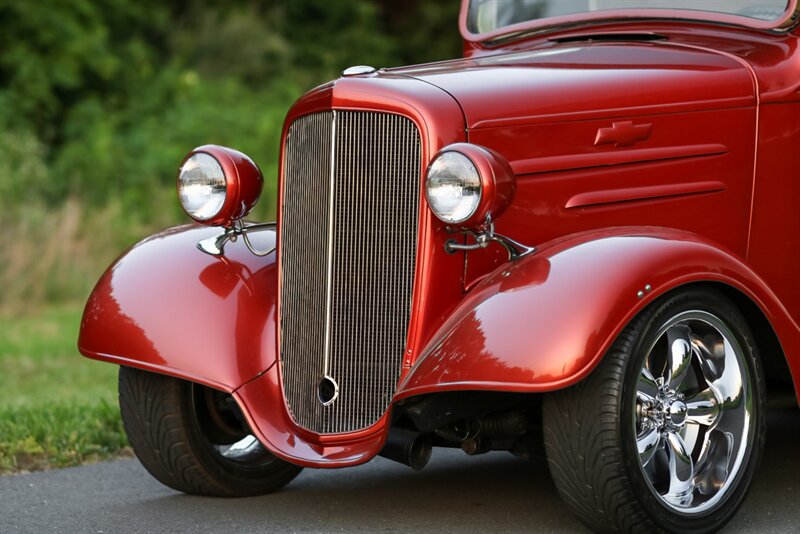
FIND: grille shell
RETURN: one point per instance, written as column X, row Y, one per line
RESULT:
column 350, row 210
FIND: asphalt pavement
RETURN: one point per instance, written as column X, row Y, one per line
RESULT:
column 495, row 492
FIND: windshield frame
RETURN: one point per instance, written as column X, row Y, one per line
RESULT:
column 789, row 19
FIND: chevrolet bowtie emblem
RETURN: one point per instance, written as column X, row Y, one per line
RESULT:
column 623, row 134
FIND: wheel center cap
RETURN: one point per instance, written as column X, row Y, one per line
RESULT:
column 677, row 413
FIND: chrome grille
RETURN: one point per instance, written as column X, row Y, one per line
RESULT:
column 348, row 251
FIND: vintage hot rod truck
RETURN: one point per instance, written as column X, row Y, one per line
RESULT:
column 583, row 238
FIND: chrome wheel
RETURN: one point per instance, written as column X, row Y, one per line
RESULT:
column 692, row 412
column 666, row 434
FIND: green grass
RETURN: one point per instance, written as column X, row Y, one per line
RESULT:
column 56, row 407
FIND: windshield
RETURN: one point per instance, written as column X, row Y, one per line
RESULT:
column 488, row 15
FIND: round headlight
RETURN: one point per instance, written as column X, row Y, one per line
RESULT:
column 467, row 184
column 453, row 187
column 218, row 186
column 202, row 187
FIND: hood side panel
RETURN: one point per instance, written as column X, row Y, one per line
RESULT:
column 691, row 171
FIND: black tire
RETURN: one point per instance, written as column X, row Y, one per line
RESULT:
column 182, row 432
column 592, row 429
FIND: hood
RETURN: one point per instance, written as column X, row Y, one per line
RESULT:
column 572, row 81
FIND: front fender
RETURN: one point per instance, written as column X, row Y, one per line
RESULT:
column 544, row 322
column 167, row 307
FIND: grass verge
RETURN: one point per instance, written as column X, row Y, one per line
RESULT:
column 57, row 408
column 59, row 435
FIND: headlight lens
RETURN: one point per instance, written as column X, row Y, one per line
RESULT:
column 453, row 187
column 201, row 186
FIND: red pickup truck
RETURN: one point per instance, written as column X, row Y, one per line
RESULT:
column 581, row 238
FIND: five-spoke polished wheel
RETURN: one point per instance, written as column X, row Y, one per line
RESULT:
column 693, row 411
column 667, row 432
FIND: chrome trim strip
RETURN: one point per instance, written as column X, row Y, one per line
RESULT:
column 326, row 364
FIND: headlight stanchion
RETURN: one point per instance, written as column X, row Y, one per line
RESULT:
column 487, row 235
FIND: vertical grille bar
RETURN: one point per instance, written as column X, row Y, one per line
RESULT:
column 348, row 253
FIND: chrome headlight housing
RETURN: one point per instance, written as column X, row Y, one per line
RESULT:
column 467, row 184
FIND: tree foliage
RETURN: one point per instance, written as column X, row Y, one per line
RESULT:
column 101, row 98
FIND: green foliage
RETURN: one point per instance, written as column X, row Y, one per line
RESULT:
column 59, row 435
column 41, row 365
column 56, row 407
column 24, row 171
column 110, row 94
column 56, row 54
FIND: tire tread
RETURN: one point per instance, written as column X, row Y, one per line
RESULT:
column 594, row 485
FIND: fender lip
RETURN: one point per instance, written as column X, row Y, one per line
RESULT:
column 155, row 368
column 582, row 318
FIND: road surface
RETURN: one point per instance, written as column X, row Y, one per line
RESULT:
column 455, row 493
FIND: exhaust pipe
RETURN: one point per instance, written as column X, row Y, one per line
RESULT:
column 408, row 447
